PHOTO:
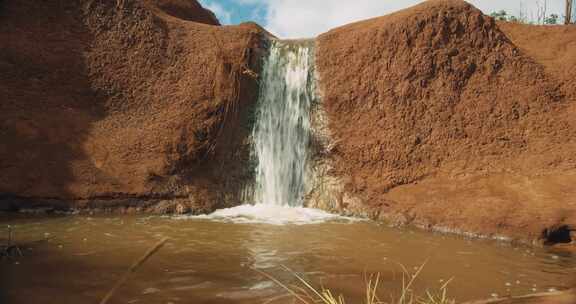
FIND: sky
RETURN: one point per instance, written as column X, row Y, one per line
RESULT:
column 308, row 18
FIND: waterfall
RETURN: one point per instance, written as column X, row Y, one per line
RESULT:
column 282, row 128
column 281, row 142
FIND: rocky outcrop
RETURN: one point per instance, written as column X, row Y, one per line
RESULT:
column 132, row 103
column 445, row 119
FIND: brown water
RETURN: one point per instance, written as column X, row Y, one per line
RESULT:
column 207, row 261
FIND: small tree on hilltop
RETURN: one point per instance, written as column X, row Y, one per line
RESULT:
column 500, row 15
column 569, row 11
column 514, row 19
column 552, row 19
column 504, row 16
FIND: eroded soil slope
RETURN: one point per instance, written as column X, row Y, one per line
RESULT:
column 444, row 120
column 119, row 103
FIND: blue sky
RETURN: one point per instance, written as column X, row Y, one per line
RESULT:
column 308, row 18
column 237, row 11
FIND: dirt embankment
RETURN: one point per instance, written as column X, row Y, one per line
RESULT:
column 441, row 117
column 123, row 103
column 445, row 119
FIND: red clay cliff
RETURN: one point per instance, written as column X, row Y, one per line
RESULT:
column 441, row 117
column 123, row 103
column 447, row 120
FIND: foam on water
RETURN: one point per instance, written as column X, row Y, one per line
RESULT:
column 281, row 141
column 271, row 214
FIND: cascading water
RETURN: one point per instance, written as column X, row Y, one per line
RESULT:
column 281, row 138
column 282, row 131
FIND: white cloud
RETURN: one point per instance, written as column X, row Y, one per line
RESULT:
column 308, row 18
column 223, row 15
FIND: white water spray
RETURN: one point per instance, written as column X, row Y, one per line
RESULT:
column 282, row 131
column 281, row 141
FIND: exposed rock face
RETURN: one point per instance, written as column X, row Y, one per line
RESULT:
column 128, row 102
column 443, row 120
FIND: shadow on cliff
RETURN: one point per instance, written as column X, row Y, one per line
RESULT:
column 47, row 105
column 109, row 104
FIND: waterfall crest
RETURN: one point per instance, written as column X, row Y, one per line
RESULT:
column 282, row 128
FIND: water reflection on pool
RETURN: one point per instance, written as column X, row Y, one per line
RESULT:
column 212, row 261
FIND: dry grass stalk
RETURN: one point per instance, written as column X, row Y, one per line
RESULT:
column 133, row 269
column 10, row 250
column 307, row 294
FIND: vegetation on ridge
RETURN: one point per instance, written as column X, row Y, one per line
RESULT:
column 503, row 15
